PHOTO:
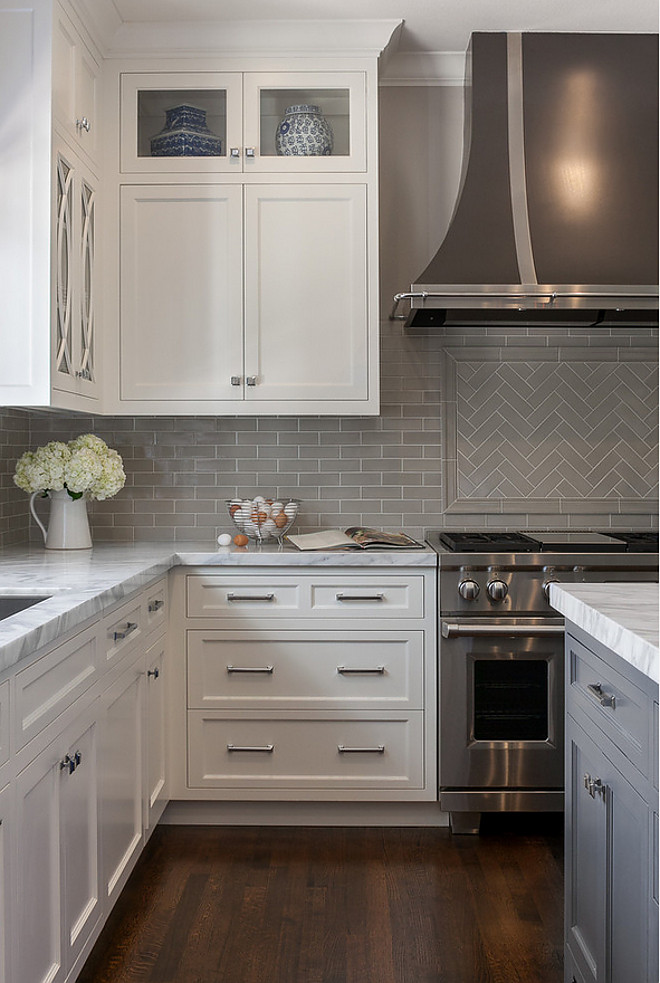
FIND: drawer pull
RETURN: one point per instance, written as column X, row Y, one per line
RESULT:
column 264, row 748
column 250, row 597
column 594, row 786
column 379, row 749
column 368, row 670
column 605, row 699
column 360, row 597
column 153, row 672
column 156, row 605
column 122, row 633
column 267, row 669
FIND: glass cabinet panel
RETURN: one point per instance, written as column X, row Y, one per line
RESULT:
column 185, row 122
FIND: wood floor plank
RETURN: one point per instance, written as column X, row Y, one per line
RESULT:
column 337, row 905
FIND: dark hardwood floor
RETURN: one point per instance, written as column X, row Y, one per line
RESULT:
column 340, row 905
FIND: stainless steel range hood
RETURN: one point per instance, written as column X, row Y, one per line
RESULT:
column 556, row 217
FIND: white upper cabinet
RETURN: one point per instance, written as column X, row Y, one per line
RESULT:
column 235, row 121
column 49, row 81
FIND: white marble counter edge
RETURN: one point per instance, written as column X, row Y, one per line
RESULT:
column 116, row 573
column 599, row 610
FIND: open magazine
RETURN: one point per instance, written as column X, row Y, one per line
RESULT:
column 332, row 539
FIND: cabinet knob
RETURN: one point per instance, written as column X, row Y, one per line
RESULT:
column 251, row 380
column 236, row 380
column 250, row 152
column 153, row 672
column 83, row 124
column 235, row 152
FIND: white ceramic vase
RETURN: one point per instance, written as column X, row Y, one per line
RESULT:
column 68, row 525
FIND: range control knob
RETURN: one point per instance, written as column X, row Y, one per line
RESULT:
column 546, row 588
column 497, row 590
column 469, row 590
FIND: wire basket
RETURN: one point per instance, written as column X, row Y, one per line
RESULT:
column 263, row 519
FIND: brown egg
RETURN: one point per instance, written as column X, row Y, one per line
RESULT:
column 261, row 518
column 281, row 520
column 241, row 540
column 233, row 509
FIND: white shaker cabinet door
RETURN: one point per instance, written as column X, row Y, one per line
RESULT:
column 306, row 309
column 181, row 307
column 6, row 876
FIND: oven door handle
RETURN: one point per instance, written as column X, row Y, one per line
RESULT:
column 451, row 630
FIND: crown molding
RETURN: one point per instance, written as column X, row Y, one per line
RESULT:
column 424, row 68
column 367, row 38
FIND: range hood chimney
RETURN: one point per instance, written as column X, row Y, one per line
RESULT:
column 556, row 217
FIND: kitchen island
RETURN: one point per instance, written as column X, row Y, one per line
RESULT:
column 611, row 817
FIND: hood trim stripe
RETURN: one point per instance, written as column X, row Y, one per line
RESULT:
column 517, row 165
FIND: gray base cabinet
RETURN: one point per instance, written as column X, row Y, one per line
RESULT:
column 611, row 901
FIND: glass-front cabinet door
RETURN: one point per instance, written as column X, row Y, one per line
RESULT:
column 278, row 122
column 305, row 121
column 181, row 122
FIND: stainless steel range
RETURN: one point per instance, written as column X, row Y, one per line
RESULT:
column 501, row 657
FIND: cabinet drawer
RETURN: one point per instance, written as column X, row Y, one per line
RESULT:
column 52, row 683
column 156, row 606
column 364, row 751
column 612, row 702
column 350, row 597
column 4, row 722
column 122, row 631
column 368, row 596
column 305, row 669
column 233, row 597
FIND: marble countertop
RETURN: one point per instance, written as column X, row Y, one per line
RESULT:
column 624, row 617
column 85, row 583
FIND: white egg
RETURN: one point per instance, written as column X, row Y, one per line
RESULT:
column 224, row 539
column 276, row 508
column 268, row 528
column 290, row 509
column 258, row 500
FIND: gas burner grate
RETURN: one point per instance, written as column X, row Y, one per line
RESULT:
column 487, row 542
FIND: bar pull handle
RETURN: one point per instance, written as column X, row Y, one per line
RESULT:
column 250, row 597
column 594, row 786
column 156, row 605
column 266, row 669
column 367, row 670
column 264, row 748
column 122, row 633
column 605, row 699
column 153, row 672
column 359, row 597
column 343, row 749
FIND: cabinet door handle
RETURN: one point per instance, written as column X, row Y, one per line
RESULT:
column 605, row 699
column 156, row 605
column 343, row 749
column 251, row 380
column 266, row 669
column 594, row 786
column 367, row 670
column 236, row 380
column 68, row 764
column 264, row 748
column 250, row 597
column 359, row 597
column 250, row 152
column 121, row 633
column 83, row 124
column 235, row 152
column 153, row 672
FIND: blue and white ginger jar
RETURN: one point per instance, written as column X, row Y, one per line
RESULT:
column 304, row 131
column 185, row 134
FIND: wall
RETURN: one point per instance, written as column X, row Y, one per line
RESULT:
column 508, row 430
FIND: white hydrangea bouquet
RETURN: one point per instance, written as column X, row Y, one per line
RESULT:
column 85, row 467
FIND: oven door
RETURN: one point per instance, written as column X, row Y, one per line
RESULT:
column 501, row 703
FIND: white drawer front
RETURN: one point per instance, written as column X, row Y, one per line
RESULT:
column 305, row 669
column 368, row 597
column 4, row 722
column 231, row 597
column 337, row 752
column 51, row 684
column 155, row 606
column 122, row 631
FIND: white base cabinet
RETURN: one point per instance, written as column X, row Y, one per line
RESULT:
column 82, row 783
column 304, row 685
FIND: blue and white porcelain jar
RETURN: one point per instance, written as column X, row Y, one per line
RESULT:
column 185, row 134
column 304, row 131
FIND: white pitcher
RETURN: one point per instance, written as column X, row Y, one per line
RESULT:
column 68, row 525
